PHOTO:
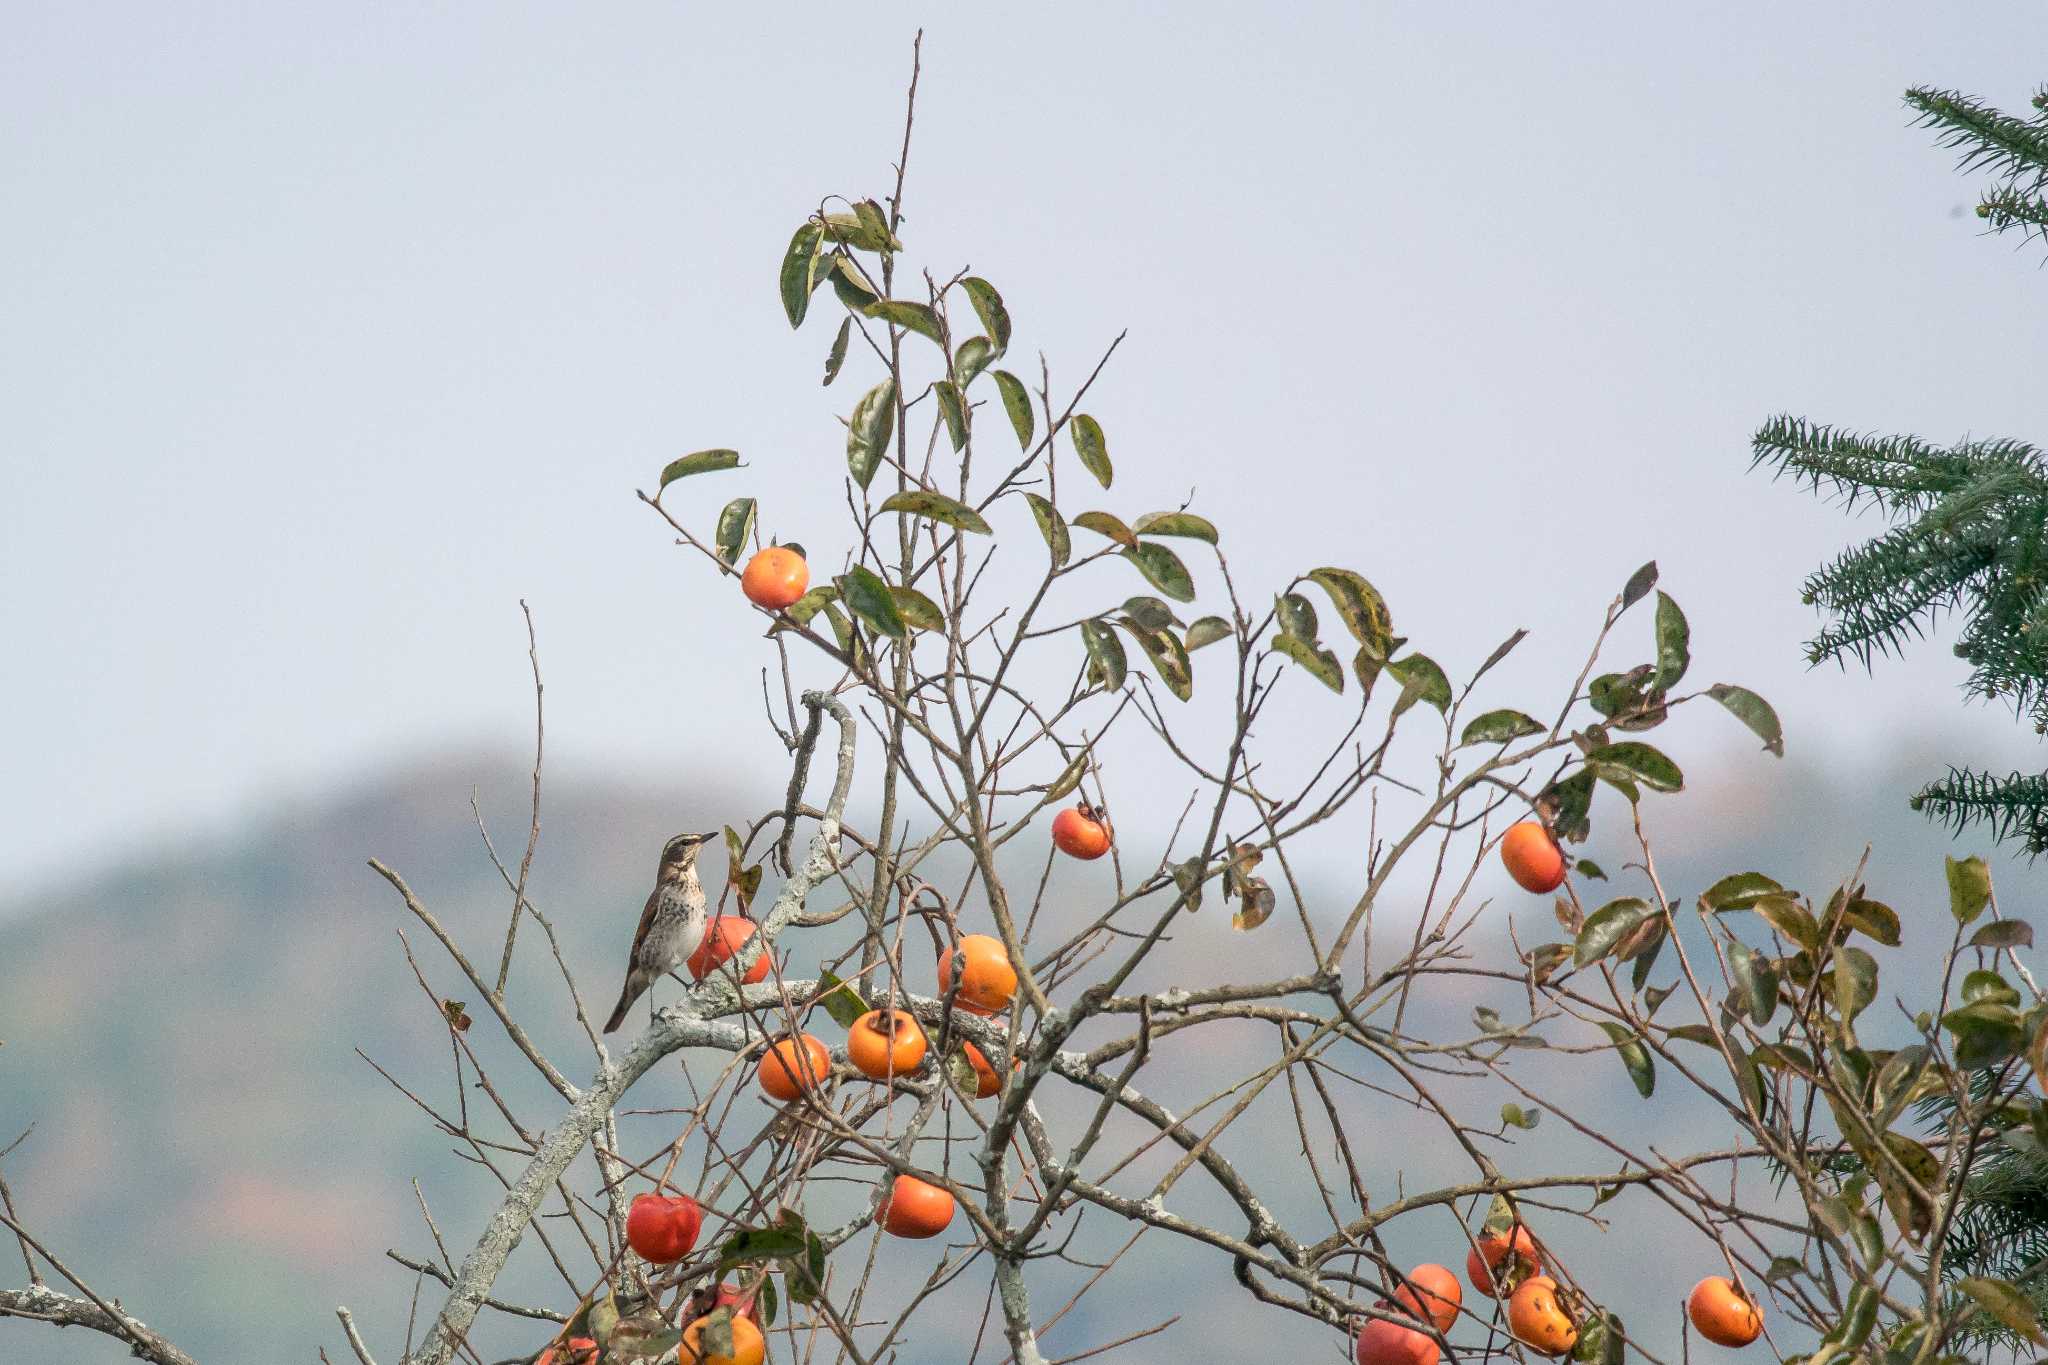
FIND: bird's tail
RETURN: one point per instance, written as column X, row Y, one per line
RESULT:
column 631, row 992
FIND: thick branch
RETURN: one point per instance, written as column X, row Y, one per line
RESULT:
column 45, row 1304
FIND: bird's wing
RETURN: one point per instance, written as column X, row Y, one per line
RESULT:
column 646, row 918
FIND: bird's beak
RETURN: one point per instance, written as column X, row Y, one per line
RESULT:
column 711, row 836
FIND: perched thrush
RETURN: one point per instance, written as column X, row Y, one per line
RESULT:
column 672, row 925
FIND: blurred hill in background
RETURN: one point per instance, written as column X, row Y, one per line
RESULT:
column 181, row 1032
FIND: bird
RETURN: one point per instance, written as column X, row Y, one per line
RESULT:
column 672, row 924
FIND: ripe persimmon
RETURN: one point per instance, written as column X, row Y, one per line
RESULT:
column 793, row 1066
column 663, row 1228
column 1431, row 1291
column 915, row 1208
column 986, row 1082
column 987, row 981
column 885, row 1043
column 1538, row 1320
column 1381, row 1342
column 1484, row 1261
column 1081, row 832
column 749, row 1347
column 775, row 577
column 722, row 943
column 1722, row 1313
column 574, row 1351
column 743, row 1302
column 1533, row 858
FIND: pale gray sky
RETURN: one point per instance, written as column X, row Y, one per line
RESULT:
column 327, row 333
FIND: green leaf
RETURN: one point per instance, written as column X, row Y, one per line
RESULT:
column 1756, row 980
column 811, row 603
column 1634, row 1056
column 1500, row 651
column 954, row 412
column 1105, row 653
column 1053, row 527
column 1606, row 927
column 798, row 278
column 1089, row 445
column 1853, row 981
column 1856, row 1230
column 1297, row 615
column 1545, row 958
column 840, row 1000
column 1207, row 631
column 1421, row 680
column 735, row 526
column 869, row 598
column 843, row 633
column 1637, row 762
column 715, row 1336
column 1753, row 711
column 1588, row 868
column 1017, row 403
column 1570, row 799
column 1874, row 919
column 1858, row 1317
column 1624, row 696
column 1359, row 604
column 1784, row 1057
column 599, row 1320
column 1643, row 948
column 1319, row 663
column 1163, row 570
column 1783, row 1268
column 703, row 462
column 1150, row 612
column 1175, row 524
column 1693, row 1033
column 918, row 611
column 1896, row 1081
column 1070, row 776
column 869, row 429
column 1103, row 524
column 937, row 507
column 865, row 229
column 876, row 225
column 838, row 354
column 2006, row 1302
column 1739, row 891
column 2004, row 933
column 1789, row 918
column 1673, row 641
column 1986, row 985
column 972, row 357
column 1499, row 727
column 1986, row 1034
column 1367, row 663
column 1168, row 659
column 851, row 283
column 764, row 1302
column 988, row 306
column 1621, row 782
column 1639, row 584
column 1969, row 887
column 914, row 317
column 1602, row 1339
column 761, row 1244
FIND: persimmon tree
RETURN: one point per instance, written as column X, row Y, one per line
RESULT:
column 982, row 646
